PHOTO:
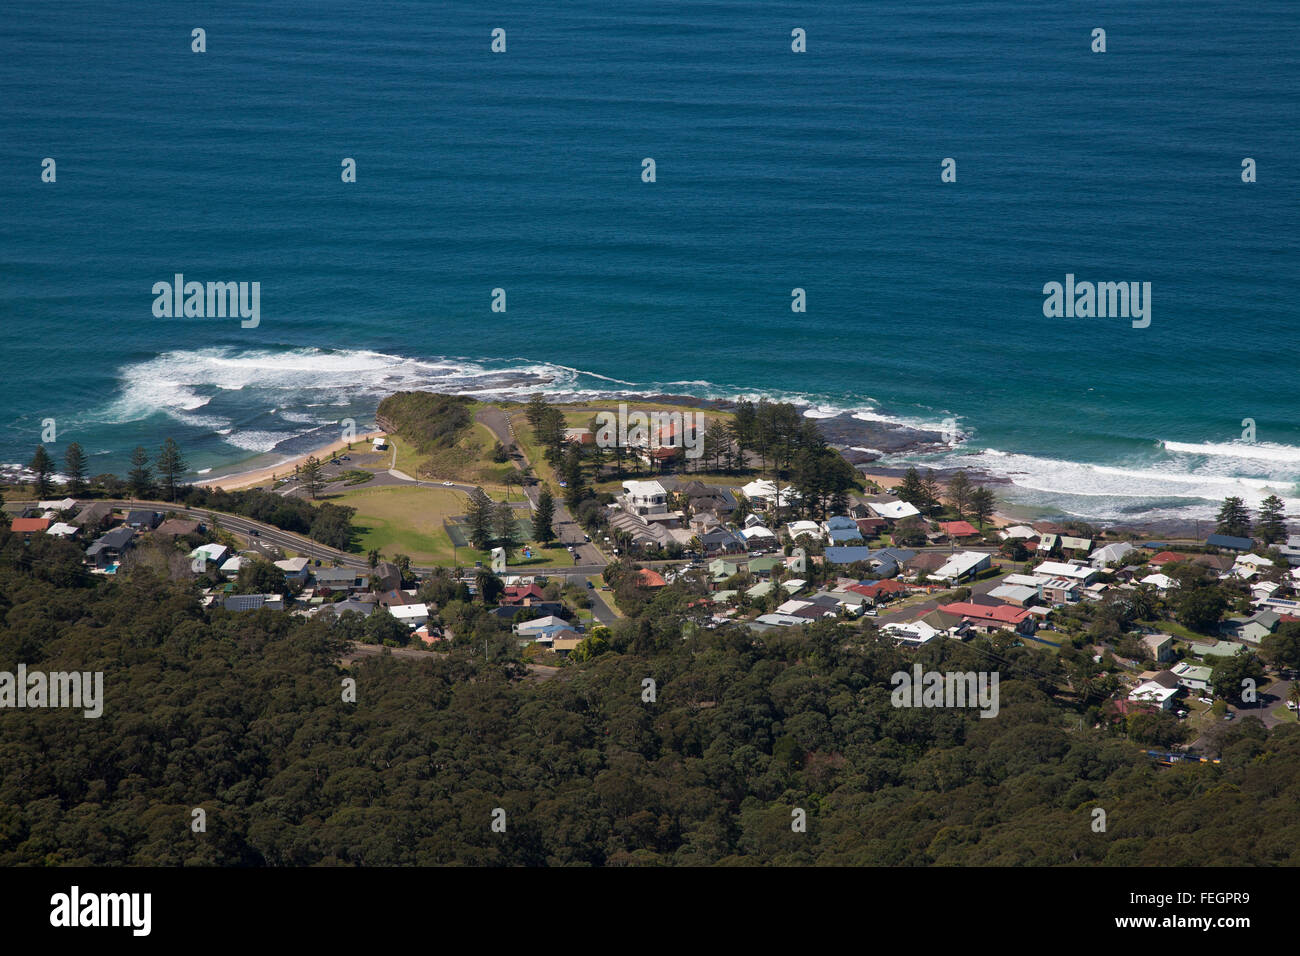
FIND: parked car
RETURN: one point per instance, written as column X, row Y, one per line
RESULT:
column 1229, row 715
column 1205, row 700
column 590, row 586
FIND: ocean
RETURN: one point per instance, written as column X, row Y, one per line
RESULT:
column 774, row 171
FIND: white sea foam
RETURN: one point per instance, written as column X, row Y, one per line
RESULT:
column 1249, row 451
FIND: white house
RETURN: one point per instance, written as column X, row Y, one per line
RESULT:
column 892, row 510
column 962, row 565
column 645, row 497
column 295, row 569
column 412, row 615
column 1151, row 692
column 1161, row 582
column 913, row 634
column 1110, row 554
column 809, row 528
column 210, row 552
column 1021, row 531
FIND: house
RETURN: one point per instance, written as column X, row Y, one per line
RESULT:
column 295, row 569
column 215, row 553
column 871, row 527
column 991, row 618
column 1159, row 647
column 758, row 538
column 1163, row 583
column 364, row 608
column 29, row 525
column 841, row 529
column 412, row 615
column 109, row 547
column 508, row 612
column 254, row 602
column 63, row 504
column 810, row 529
column 142, row 520
column 522, row 595
column 177, row 528
column 764, row 494
column 1217, row 651
column 1263, row 590
column 541, row 626
column 1080, row 574
column 1291, row 550
column 93, row 514
column 566, row 644
column 1191, row 676
column 1252, row 629
column 1020, row 595
column 967, row 564
column 722, row 541
column 892, row 509
column 703, row 521
column 579, row 436
column 230, row 567
column 1018, row 531
column 958, row 529
column 338, row 579
column 1155, row 694
column 927, row 561
column 1060, row 590
column 880, row 591
column 61, row 530
column 1229, row 542
column 645, row 497
column 848, row 554
column 1253, row 561
column 1167, row 557
column 386, row 576
column 650, row 579
column 912, row 634
column 1110, row 554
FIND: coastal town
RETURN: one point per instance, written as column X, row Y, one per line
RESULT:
column 1159, row 638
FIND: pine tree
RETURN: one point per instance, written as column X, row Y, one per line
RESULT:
column 505, row 531
column 933, row 490
column 140, row 477
column 478, row 516
column 41, row 466
column 982, row 505
column 534, row 410
column 1233, row 518
column 959, row 492
column 912, row 490
column 74, row 465
column 543, row 515
column 1271, row 526
column 312, row 476
column 170, row 467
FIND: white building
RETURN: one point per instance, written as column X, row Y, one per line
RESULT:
column 963, row 565
column 412, row 615
column 645, row 497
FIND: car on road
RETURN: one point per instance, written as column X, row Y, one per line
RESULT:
column 590, row 586
column 448, row 483
column 345, row 457
column 870, row 612
column 1290, row 705
column 587, row 538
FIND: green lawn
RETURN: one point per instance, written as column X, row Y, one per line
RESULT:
column 405, row 519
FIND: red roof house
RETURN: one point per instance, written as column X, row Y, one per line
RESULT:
column 958, row 529
column 28, row 525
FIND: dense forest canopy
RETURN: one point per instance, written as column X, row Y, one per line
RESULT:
column 243, row 715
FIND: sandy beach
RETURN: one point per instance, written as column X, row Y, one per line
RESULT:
column 250, row 479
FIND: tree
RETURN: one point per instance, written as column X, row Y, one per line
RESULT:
column 42, row 466
column 490, row 587
column 1233, row 518
column 372, row 558
column 575, row 482
column 140, row 477
column 312, row 476
column 543, row 515
column 1271, row 526
column 933, row 490
column 1200, row 608
column 259, row 577
column 74, row 466
column 1230, row 674
column 170, row 467
column 982, row 504
column 505, row 531
column 478, row 517
column 959, row 492
column 912, row 490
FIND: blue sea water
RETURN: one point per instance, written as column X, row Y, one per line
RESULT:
column 775, row 170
